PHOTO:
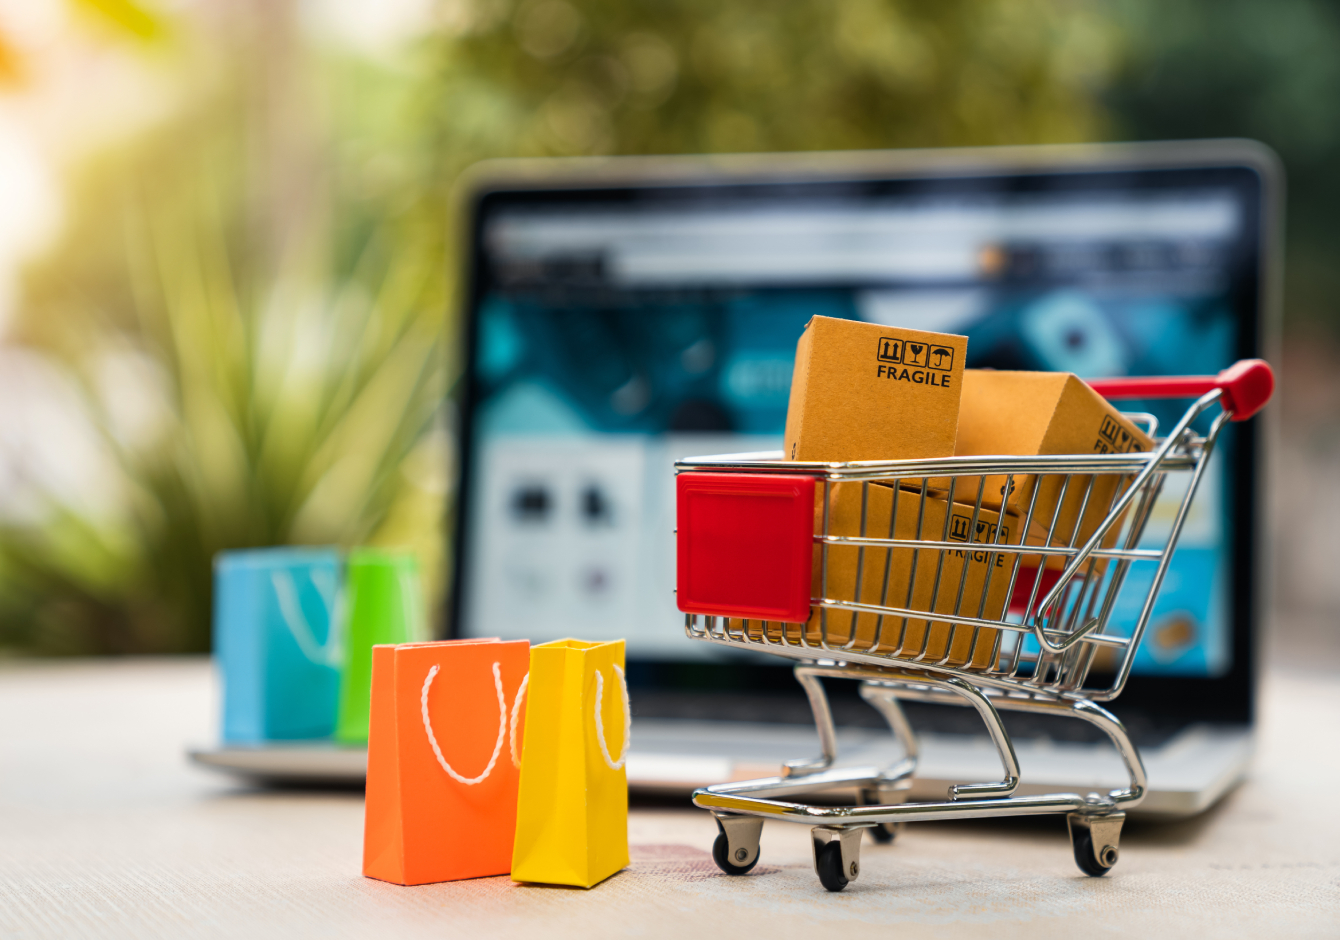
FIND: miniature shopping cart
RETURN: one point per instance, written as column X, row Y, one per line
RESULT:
column 945, row 602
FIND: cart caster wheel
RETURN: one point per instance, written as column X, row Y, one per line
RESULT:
column 882, row 834
column 829, row 866
column 744, row 856
column 837, row 855
column 721, row 855
column 1095, row 841
column 1085, row 858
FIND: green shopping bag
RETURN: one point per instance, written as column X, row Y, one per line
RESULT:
column 383, row 603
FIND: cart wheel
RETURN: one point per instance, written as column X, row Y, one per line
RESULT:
column 1082, row 842
column 829, row 866
column 882, row 834
column 721, row 855
column 1095, row 840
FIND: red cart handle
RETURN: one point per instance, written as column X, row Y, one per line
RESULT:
column 1247, row 386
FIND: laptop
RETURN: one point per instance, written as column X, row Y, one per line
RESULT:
column 620, row 314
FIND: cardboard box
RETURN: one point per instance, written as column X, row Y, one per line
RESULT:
column 883, row 576
column 1027, row 413
column 861, row 391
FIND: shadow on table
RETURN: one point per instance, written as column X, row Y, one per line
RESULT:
column 239, row 788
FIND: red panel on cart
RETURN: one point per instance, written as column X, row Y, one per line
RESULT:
column 746, row 545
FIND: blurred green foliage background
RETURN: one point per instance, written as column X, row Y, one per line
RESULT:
column 246, row 308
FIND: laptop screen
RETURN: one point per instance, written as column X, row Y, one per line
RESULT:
column 615, row 330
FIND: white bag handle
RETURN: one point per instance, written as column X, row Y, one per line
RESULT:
column 516, row 710
column 627, row 720
column 290, row 608
column 502, row 725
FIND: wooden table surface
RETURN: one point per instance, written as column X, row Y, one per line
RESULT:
column 106, row 831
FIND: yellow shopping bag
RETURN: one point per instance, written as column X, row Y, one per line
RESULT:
column 572, row 804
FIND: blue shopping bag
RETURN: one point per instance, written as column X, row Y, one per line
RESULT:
column 277, row 642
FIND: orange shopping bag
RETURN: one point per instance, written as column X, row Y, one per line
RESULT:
column 443, row 757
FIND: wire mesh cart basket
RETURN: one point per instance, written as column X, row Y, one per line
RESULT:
column 924, row 581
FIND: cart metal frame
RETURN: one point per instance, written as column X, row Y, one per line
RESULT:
column 1041, row 660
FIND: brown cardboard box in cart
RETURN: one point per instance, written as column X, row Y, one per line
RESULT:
column 972, row 580
column 1027, row 413
column 861, row 391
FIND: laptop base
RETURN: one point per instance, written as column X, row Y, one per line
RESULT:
column 1188, row 772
